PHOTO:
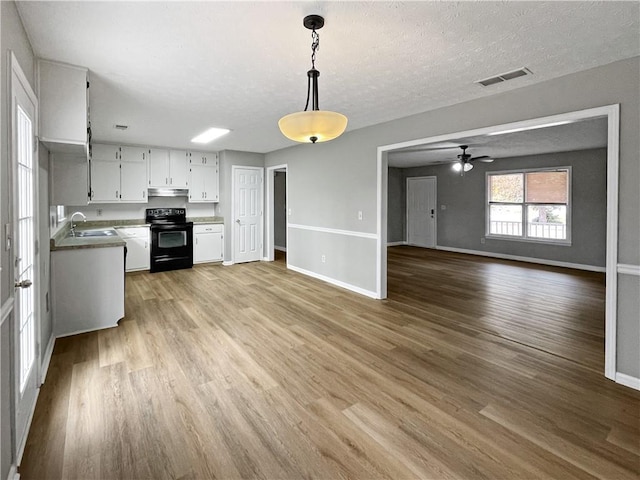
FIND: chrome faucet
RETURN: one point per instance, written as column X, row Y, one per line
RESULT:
column 73, row 226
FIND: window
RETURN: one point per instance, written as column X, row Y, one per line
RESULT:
column 530, row 205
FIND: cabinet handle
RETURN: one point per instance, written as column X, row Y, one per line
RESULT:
column 143, row 193
column 170, row 181
column 116, row 193
column 166, row 181
column 145, row 244
column 196, row 240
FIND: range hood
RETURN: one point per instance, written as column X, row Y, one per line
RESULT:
column 168, row 192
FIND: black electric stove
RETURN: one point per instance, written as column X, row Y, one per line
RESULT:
column 171, row 239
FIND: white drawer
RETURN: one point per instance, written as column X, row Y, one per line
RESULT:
column 208, row 228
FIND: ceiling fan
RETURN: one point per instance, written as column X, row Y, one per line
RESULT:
column 464, row 160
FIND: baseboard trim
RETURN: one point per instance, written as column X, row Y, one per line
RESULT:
column 13, row 473
column 79, row 332
column 540, row 261
column 6, row 309
column 333, row 281
column 227, row 264
column 628, row 380
column 396, row 244
column 280, row 249
column 47, row 359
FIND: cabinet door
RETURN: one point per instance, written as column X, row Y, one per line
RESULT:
column 204, row 183
column 207, row 247
column 134, row 154
column 209, row 158
column 133, row 175
column 211, row 185
column 197, row 175
column 63, row 103
column 105, row 153
column 179, row 169
column 159, row 167
column 105, row 181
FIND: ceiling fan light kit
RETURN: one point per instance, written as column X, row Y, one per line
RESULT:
column 315, row 125
column 464, row 161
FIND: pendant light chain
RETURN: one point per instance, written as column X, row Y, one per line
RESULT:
column 315, row 44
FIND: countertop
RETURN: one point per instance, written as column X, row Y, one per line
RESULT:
column 61, row 240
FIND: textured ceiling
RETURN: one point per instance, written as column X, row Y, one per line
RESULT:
column 170, row 70
column 562, row 138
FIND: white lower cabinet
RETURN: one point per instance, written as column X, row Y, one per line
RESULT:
column 138, row 247
column 207, row 243
column 87, row 288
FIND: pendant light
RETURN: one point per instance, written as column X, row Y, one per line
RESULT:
column 315, row 125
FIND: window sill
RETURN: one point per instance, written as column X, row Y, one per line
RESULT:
column 560, row 243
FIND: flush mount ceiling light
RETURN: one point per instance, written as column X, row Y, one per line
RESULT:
column 313, row 125
column 210, row 135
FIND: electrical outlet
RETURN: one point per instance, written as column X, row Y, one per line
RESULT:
column 443, row 207
column 290, row 211
column 482, row 240
column 323, row 258
column 99, row 212
column 359, row 214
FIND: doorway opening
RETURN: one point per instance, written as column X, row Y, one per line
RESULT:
column 276, row 214
column 612, row 114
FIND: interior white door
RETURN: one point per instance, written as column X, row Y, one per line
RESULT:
column 247, row 208
column 421, row 211
column 24, row 168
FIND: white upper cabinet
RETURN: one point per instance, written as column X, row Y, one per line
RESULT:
column 178, row 169
column 63, row 107
column 118, row 174
column 133, row 174
column 204, row 178
column 168, row 168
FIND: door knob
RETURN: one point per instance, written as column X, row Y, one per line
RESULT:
column 238, row 221
column 23, row 284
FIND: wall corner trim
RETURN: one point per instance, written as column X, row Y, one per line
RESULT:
column 628, row 380
column 6, row 309
column 47, row 359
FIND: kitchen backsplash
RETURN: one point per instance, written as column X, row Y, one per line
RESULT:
column 132, row 211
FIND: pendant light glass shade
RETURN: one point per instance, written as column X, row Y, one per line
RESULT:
column 313, row 126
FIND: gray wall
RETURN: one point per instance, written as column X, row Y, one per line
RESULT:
column 462, row 224
column 229, row 158
column 330, row 182
column 12, row 38
column 280, row 209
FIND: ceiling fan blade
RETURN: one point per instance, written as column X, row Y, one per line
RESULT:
column 482, row 158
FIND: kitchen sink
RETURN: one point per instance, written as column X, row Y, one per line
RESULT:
column 102, row 232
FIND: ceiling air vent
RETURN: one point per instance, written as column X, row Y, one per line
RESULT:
column 121, row 127
column 503, row 77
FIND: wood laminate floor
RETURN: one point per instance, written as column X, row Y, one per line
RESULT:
column 472, row 369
